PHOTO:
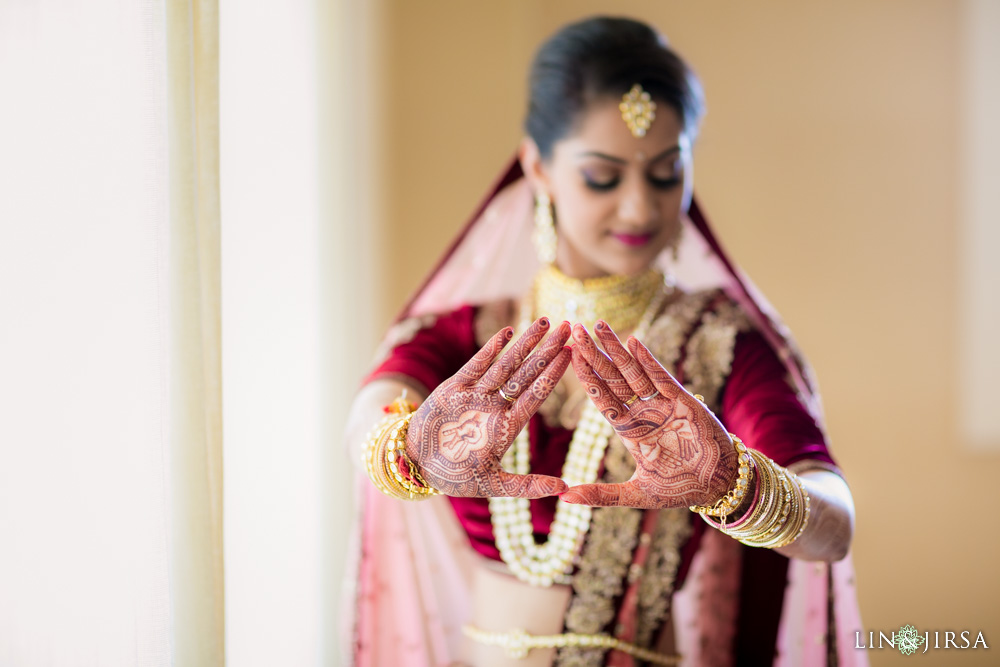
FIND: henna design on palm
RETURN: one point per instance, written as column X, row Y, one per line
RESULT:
column 683, row 454
column 458, row 436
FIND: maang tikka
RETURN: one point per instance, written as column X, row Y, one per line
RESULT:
column 544, row 235
column 638, row 110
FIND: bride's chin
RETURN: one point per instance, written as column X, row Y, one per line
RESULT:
column 638, row 263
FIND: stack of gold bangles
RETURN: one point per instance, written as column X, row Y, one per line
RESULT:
column 780, row 509
column 389, row 468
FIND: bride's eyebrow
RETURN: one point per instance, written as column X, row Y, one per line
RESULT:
column 618, row 160
column 667, row 153
column 603, row 156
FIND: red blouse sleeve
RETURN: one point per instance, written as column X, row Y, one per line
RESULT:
column 435, row 353
column 760, row 406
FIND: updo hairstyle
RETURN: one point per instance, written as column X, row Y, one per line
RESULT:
column 604, row 57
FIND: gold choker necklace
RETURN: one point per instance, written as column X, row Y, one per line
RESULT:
column 618, row 300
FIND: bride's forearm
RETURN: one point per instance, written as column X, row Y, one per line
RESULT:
column 367, row 410
column 827, row 536
column 830, row 526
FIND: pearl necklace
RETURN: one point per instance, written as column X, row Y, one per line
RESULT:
column 551, row 562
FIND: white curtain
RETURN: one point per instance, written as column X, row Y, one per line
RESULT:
column 113, row 304
column 110, row 403
column 300, row 109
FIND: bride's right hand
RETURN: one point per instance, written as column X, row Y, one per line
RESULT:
column 459, row 434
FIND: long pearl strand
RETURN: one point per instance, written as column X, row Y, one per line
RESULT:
column 552, row 562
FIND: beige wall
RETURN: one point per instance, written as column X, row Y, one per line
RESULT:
column 828, row 163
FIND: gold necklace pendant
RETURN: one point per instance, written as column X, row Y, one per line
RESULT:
column 552, row 562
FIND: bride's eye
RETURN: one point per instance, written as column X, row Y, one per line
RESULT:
column 664, row 183
column 665, row 175
column 600, row 180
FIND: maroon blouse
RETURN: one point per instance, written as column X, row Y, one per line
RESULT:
column 757, row 403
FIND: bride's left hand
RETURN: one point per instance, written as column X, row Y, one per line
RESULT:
column 683, row 454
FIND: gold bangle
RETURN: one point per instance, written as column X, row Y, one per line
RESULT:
column 765, row 502
column 766, row 520
column 729, row 502
column 385, row 449
column 800, row 516
column 374, row 457
column 396, row 453
column 517, row 643
column 773, row 529
column 782, row 511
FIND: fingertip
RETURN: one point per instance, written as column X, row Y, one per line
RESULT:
column 508, row 333
column 543, row 321
column 561, row 333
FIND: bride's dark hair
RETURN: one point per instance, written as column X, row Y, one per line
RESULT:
column 604, row 57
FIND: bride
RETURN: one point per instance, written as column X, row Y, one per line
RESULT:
column 618, row 448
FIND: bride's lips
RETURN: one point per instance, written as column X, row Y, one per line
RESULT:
column 633, row 240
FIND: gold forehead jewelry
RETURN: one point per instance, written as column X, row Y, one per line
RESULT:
column 638, row 110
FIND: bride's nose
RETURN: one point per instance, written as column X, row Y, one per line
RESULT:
column 637, row 205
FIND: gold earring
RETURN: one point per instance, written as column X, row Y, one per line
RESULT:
column 544, row 236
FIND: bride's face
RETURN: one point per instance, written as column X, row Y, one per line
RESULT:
column 618, row 199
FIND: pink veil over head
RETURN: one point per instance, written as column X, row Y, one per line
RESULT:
column 406, row 548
